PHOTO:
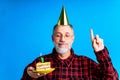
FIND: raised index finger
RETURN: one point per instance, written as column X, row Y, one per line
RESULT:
column 91, row 34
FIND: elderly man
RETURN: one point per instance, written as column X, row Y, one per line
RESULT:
column 68, row 65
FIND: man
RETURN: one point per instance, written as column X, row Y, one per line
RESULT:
column 68, row 65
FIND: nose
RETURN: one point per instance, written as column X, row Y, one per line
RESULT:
column 62, row 38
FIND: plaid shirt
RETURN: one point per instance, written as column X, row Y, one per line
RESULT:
column 77, row 67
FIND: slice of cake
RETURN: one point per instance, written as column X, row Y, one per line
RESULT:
column 43, row 66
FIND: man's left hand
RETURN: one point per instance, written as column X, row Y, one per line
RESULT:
column 97, row 42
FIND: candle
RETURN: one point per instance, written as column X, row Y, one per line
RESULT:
column 42, row 59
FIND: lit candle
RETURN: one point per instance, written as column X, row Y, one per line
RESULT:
column 42, row 59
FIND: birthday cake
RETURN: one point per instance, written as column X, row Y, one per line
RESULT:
column 43, row 66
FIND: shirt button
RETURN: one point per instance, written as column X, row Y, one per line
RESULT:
column 63, row 73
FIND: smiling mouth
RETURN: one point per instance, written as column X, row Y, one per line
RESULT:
column 62, row 45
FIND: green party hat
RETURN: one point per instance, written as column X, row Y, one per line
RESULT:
column 63, row 19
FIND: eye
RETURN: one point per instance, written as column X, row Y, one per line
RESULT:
column 57, row 35
column 67, row 35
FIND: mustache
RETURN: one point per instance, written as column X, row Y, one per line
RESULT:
column 62, row 43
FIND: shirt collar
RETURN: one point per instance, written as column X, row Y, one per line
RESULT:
column 67, row 61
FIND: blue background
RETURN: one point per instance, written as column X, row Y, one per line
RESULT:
column 26, row 28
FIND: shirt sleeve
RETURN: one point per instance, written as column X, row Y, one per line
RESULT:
column 25, row 75
column 107, row 70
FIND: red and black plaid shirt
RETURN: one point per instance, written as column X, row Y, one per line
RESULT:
column 77, row 67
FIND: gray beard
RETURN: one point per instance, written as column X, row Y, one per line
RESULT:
column 62, row 50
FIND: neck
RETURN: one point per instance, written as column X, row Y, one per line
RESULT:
column 64, row 56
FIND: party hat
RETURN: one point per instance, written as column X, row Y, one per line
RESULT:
column 63, row 19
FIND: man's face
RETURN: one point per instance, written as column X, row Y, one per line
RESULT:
column 63, row 37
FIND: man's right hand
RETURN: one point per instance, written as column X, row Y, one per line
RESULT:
column 32, row 74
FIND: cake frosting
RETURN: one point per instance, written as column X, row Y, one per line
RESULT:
column 43, row 66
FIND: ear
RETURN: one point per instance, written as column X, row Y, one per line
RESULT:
column 73, row 37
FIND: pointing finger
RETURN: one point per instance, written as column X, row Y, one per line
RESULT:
column 91, row 34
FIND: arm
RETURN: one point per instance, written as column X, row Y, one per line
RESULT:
column 105, row 64
column 107, row 70
column 29, row 74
